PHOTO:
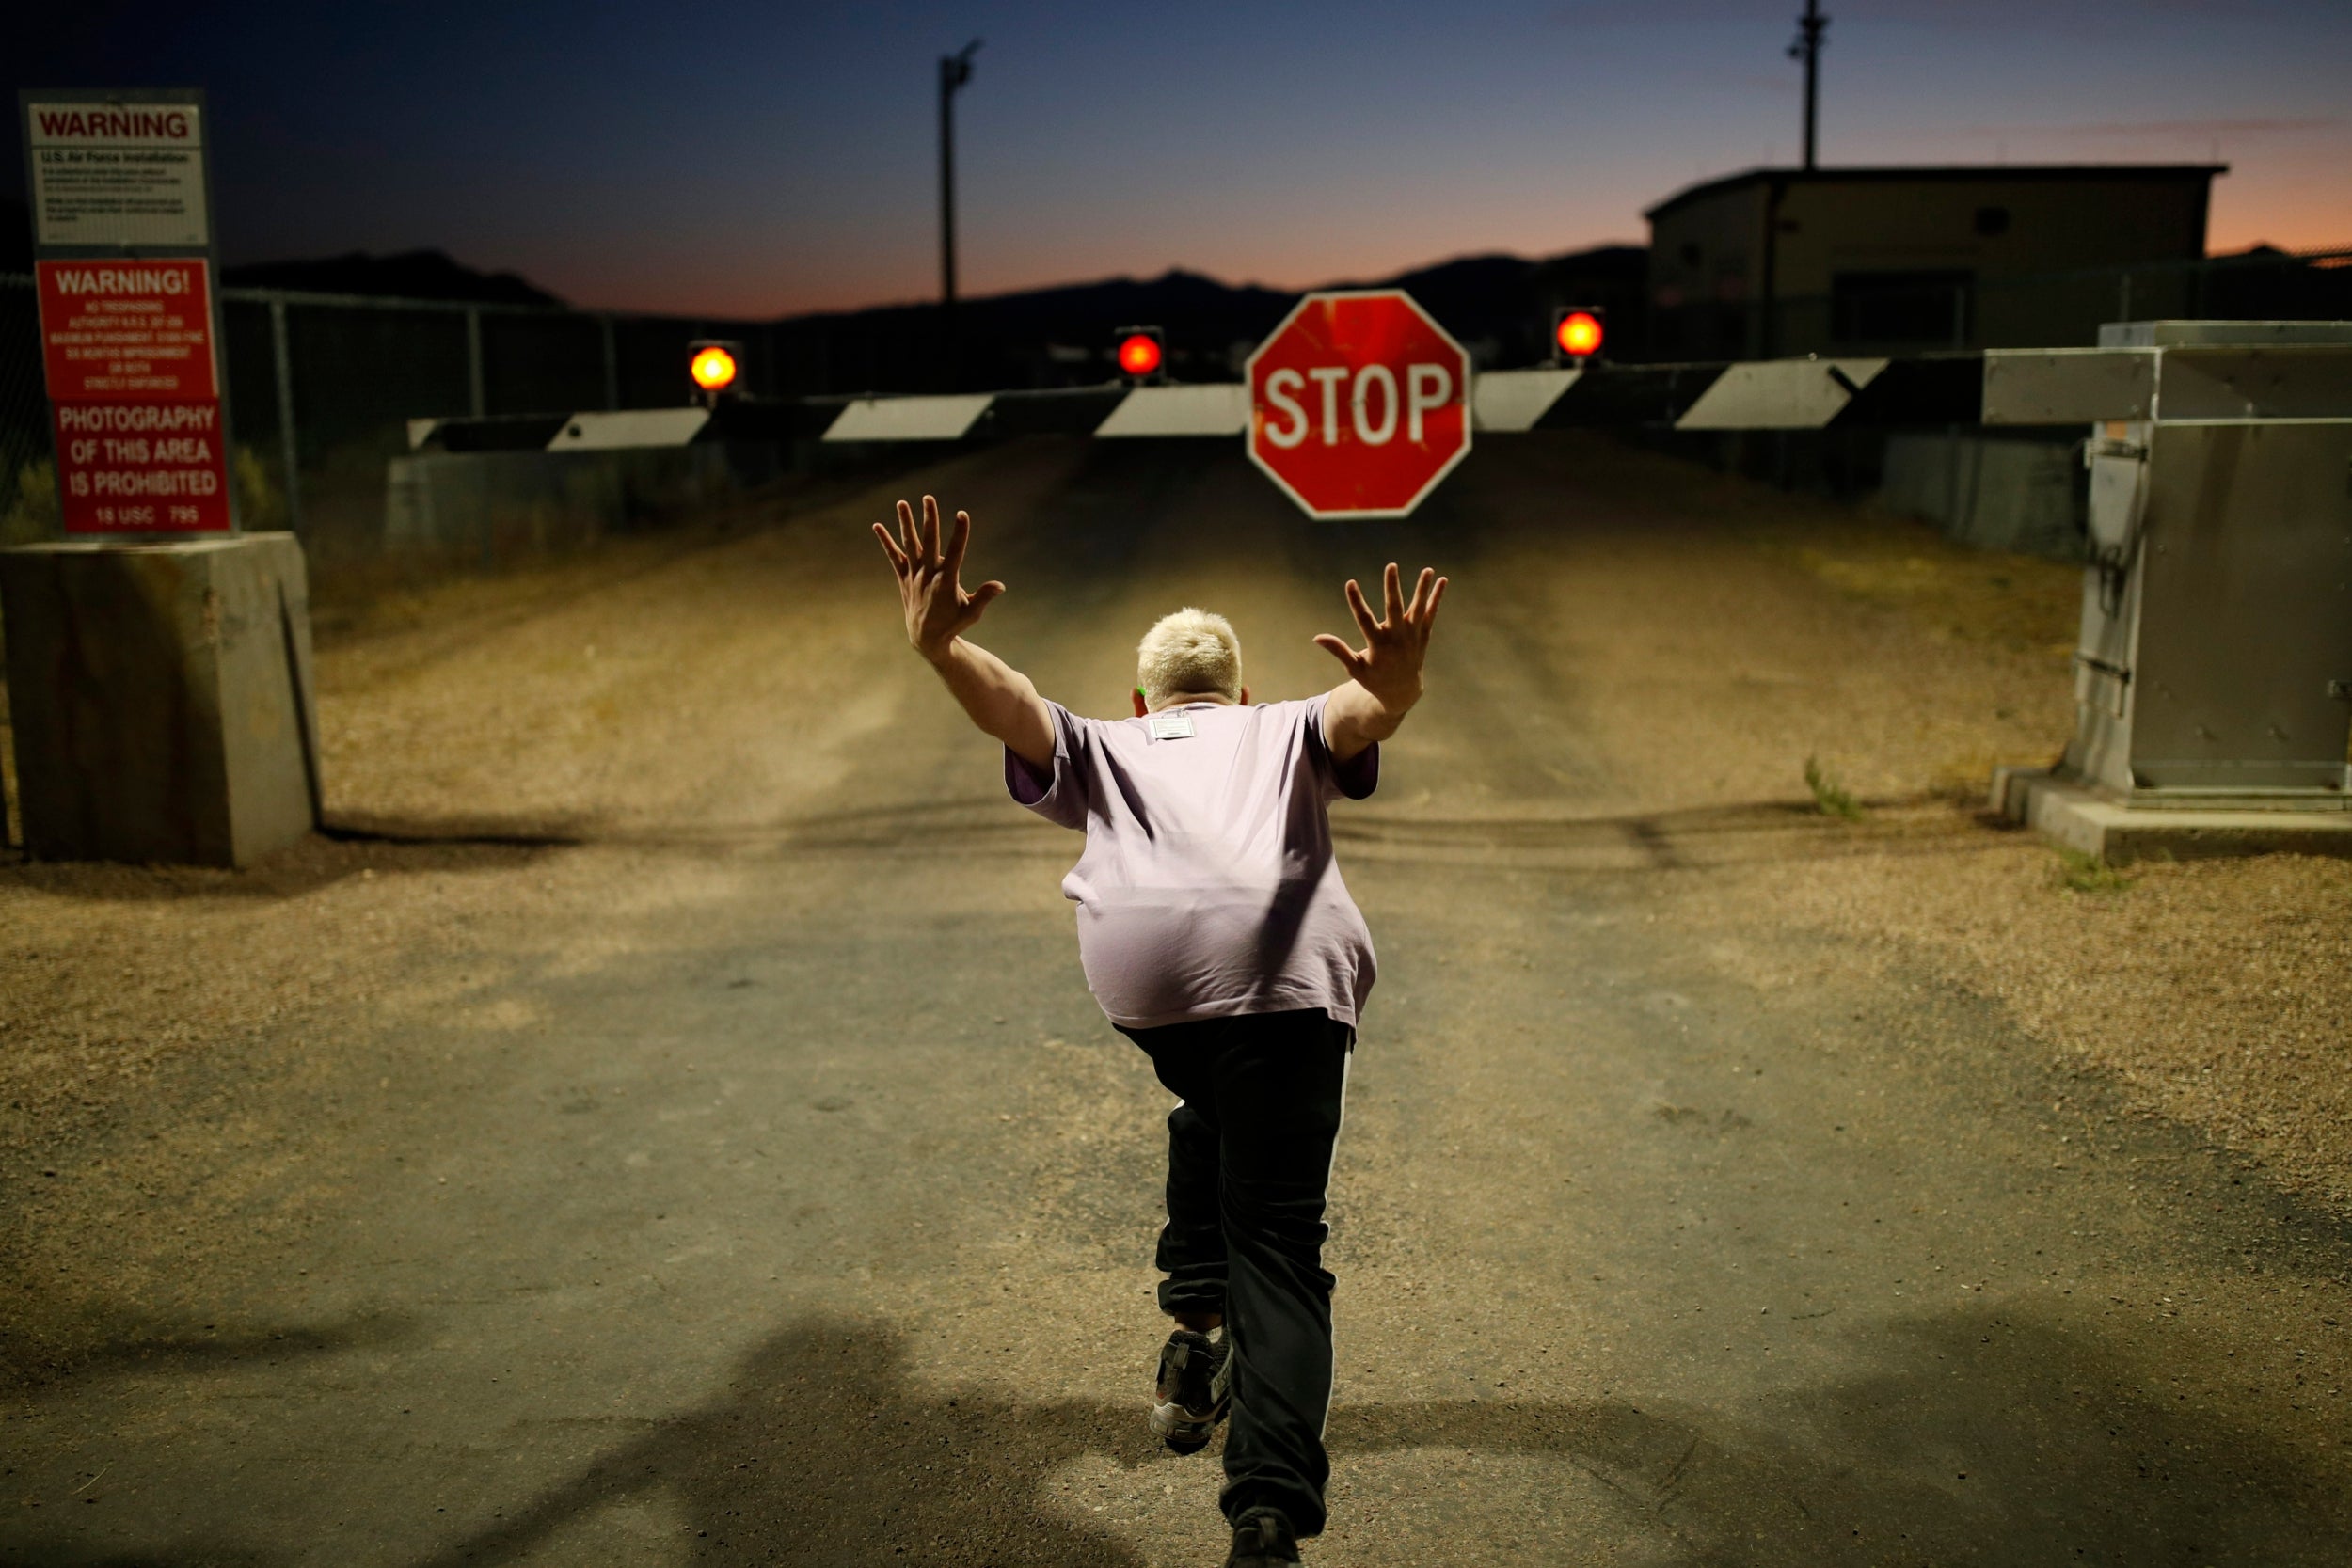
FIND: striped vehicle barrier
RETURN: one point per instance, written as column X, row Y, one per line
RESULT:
column 1994, row 387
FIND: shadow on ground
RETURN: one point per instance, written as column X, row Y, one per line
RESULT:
column 1972, row 1438
column 1978, row 1438
column 74, row 1346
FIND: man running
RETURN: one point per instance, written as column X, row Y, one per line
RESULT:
column 1216, row 934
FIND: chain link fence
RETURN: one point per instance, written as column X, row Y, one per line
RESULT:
column 321, row 387
column 28, row 485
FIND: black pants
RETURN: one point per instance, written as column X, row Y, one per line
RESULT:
column 1249, row 1160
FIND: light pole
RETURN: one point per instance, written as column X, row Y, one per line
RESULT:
column 1810, row 26
column 954, row 72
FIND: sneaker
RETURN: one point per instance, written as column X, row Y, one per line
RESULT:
column 1195, row 1389
column 1262, row 1538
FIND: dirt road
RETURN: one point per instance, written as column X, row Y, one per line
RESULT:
column 670, row 1125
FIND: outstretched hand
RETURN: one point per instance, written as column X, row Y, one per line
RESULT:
column 938, row 610
column 1390, row 665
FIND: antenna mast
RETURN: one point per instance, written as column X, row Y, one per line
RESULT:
column 1810, row 26
column 954, row 72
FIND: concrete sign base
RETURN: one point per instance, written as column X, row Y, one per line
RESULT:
column 162, row 698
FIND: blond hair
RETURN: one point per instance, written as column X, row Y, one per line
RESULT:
column 1193, row 650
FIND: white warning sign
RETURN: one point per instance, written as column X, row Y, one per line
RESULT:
column 117, row 174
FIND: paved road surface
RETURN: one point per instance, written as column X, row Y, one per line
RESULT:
column 753, row 1179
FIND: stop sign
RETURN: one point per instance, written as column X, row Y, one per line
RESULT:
column 1358, row 404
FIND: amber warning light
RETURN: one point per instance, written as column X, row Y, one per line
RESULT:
column 1577, row 334
column 713, row 368
column 1140, row 353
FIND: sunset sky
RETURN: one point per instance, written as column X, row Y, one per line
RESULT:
column 758, row 159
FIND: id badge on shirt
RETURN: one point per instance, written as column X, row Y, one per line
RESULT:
column 1171, row 726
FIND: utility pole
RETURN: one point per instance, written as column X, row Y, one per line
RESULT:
column 954, row 72
column 1810, row 26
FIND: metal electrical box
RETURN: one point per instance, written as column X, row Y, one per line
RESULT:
column 2214, row 663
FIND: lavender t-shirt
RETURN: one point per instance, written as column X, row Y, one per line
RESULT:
column 1207, row 886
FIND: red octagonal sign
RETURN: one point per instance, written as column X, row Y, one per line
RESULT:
column 1358, row 404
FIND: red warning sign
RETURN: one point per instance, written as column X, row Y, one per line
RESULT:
column 134, row 388
column 142, row 468
column 127, row 329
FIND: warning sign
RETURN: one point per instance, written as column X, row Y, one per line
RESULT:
column 128, row 340
column 117, row 174
column 111, row 329
column 142, row 468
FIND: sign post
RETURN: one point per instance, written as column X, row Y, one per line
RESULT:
column 123, row 264
column 1359, row 404
column 158, row 660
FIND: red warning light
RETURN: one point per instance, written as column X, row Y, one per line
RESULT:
column 713, row 368
column 1139, row 354
column 1579, row 334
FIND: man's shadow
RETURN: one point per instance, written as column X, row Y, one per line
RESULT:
column 1965, row 1437
column 826, row 1452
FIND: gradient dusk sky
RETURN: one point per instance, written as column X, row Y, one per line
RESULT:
column 758, row 159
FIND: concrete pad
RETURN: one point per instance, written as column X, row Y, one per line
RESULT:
column 2073, row 814
column 161, row 698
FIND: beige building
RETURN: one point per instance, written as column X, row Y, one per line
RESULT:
column 1781, row 262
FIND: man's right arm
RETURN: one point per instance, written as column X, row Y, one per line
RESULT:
column 1000, row 699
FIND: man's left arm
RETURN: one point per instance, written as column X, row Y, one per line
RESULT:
column 1384, row 680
